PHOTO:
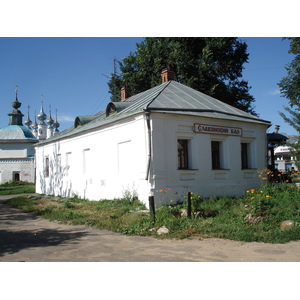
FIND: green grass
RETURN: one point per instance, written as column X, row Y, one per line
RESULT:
column 218, row 217
column 17, row 187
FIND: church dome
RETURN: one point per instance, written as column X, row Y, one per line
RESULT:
column 16, row 133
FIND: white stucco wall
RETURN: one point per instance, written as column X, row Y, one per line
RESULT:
column 110, row 160
column 201, row 178
column 25, row 168
column 17, row 158
column 16, row 150
column 102, row 164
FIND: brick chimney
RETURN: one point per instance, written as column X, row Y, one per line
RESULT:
column 167, row 75
column 125, row 92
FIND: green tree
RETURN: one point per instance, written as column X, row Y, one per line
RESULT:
column 290, row 89
column 210, row 65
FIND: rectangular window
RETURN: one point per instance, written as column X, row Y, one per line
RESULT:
column 58, row 164
column 244, row 155
column 183, row 159
column 68, row 163
column 86, row 161
column 47, row 167
column 215, row 155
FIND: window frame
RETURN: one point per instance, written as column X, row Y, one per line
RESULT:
column 86, row 161
column 183, row 154
column 47, row 167
column 251, row 154
column 67, row 163
column 245, row 163
column 216, row 163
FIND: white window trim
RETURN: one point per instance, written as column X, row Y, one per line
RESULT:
column 252, row 155
column 192, row 152
column 224, row 152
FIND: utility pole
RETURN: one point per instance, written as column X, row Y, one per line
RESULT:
column 114, row 78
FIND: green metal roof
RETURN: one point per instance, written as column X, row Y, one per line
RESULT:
column 16, row 133
column 171, row 97
column 176, row 97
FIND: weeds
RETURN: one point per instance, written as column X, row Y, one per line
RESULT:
column 255, row 217
column 17, row 187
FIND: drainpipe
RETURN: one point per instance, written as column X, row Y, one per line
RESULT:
column 147, row 114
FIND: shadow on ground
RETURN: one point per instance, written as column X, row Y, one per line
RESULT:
column 10, row 214
column 14, row 241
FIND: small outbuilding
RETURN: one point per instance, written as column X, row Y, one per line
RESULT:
column 165, row 141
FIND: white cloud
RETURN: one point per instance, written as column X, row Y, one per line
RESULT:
column 64, row 118
column 275, row 92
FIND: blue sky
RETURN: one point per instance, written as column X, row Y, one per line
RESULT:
column 68, row 72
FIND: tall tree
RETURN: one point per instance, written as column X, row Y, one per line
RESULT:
column 290, row 89
column 210, row 65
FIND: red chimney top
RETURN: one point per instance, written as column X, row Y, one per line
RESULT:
column 167, row 75
column 125, row 92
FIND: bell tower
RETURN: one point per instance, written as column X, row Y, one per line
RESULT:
column 15, row 116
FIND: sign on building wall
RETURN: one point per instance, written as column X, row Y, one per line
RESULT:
column 213, row 129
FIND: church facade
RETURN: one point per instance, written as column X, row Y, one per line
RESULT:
column 17, row 152
column 166, row 141
column 16, row 148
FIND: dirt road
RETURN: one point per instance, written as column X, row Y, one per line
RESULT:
column 25, row 237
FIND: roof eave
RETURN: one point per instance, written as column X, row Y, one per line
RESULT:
column 82, row 130
column 249, row 118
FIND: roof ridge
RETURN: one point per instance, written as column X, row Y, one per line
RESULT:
column 166, row 85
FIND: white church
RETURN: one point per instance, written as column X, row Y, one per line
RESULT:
column 170, row 136
column 17, row 152
column 16, row 148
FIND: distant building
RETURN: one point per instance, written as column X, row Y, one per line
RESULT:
column 17, row 152
column 170, row 136
column 284, row 161
column 43, row 130
column 16, row 148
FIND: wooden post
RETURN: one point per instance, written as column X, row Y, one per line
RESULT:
column 152, row 209
column 189, row 205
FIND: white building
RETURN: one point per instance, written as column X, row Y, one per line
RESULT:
column 16, row 148
column 43, row 130
column 170, row 136
column 284, row 161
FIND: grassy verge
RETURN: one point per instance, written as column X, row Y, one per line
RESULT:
column 255, row 217
column 17, row 187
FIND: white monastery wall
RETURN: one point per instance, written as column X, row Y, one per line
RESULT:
column 16, row 150
column 24, row 167
column 101, row 164
column 200, row 178
column 15, row 160
column 107, row 162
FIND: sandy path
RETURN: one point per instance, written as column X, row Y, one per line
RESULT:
column 25, row 237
